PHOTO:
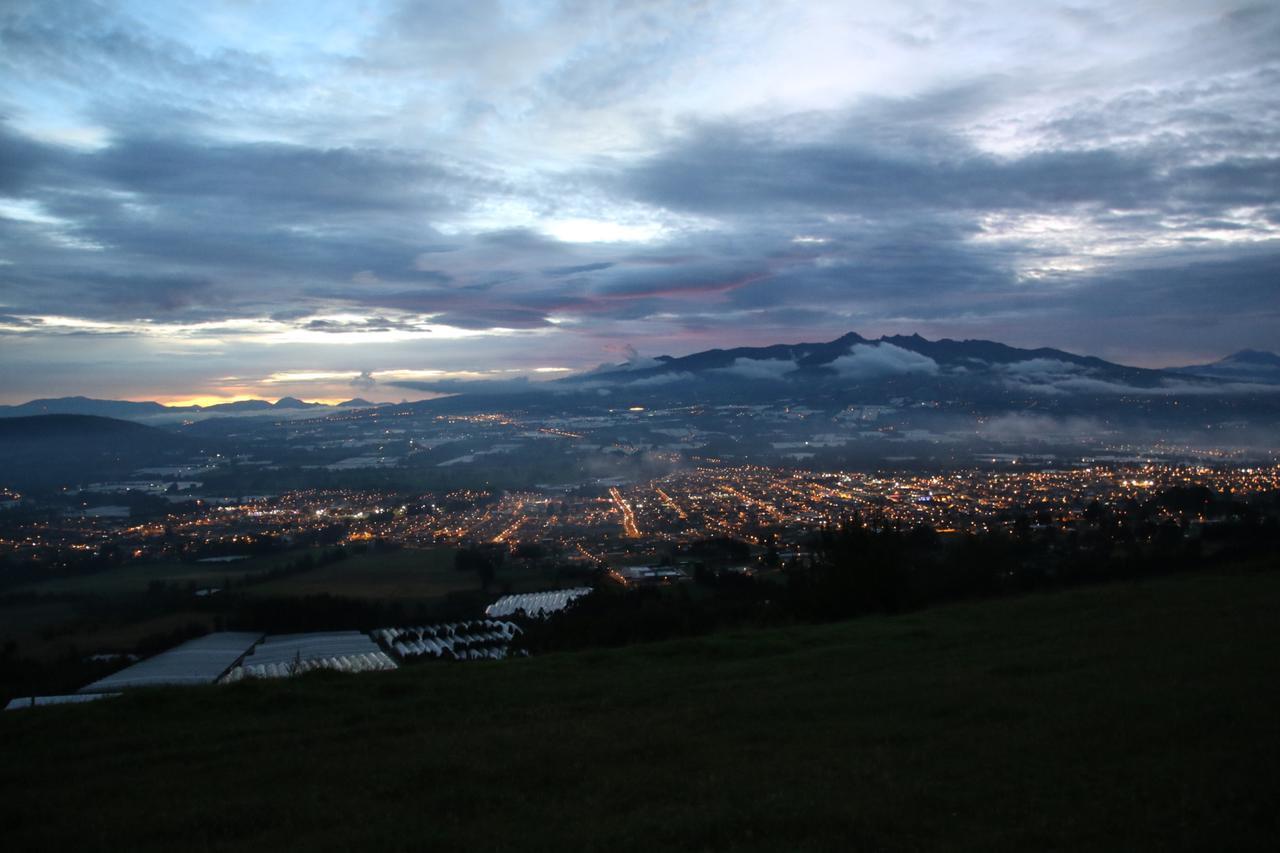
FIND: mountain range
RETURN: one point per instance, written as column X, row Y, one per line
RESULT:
column 959, row 380
column 746, row 402
column 840, row 354
column 885, row 356
column 48, row 449
column 973, row 375
column 149, row 410
column 1247, row 365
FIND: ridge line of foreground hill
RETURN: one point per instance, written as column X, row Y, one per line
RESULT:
column 1127, row 716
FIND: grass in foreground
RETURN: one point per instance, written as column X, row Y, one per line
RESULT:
column 1130, row 716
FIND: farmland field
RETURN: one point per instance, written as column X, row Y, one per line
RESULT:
column 135, row 578
column 408, row 574
column 411, row 574
column 111, row 611
column 1131, row 716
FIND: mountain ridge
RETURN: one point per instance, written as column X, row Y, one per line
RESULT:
column 1249, row 365
column 944, row 351
column 898, row 363
column 953, row 378
column 47, row 450
column 130, row 409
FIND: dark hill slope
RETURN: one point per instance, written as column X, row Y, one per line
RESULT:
column 1128, row 717
column 149, row 410
column 51, row 450
column 948, row 351
column 944, row 351
column 78, row 428
column 84, row 406
column 1247, row 365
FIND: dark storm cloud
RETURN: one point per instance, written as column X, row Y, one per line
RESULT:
column 741, row 171
column 146, row 295
column 20, row 158
column 235, row 221
column 464, row 386
column 480, row 318
column 9, row 323
column 1222, row 288
column 273, row 179
column 134, row 295
column 519, row 239
column 685, row 281
column 1181, row 298
column 1230, row 182
column 366, row 324
column 557, row 272
column 903, row 244
column 216, row 212
column 272, row 183
column 409, row 173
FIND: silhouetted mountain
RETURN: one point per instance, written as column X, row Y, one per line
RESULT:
column 259, row 405
column 969, row 378
column 356, row 403
column 882, row 357
column 947, row 351
column 84, row 406
column 77, row 428
column 237, row 406
column 295, row 403
column 965, row 378
column 1247, row 365
column 150, row 410
column 49, row 450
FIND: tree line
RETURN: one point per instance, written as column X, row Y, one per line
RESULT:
column 866, row 565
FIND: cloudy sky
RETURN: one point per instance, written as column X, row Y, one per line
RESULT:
column 212, row 200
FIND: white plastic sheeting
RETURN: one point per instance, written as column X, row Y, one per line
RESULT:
column 293, row 654
column 535, row 603
column 198, row 661
column 481, row 639
column 42, row 701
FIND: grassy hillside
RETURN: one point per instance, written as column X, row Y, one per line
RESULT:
column 134, row 578
column 1129, row 716
column 47, row 451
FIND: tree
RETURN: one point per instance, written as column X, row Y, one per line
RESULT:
column 479, row 562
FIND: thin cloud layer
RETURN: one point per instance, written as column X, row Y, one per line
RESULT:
column 875, row 361
column 763, row 369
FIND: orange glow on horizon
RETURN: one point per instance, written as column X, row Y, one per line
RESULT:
column 213, row 400
column 203, row 400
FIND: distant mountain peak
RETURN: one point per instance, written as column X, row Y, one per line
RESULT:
column 81, row 405
column 1246, row 365
column 1253, row 356
column 294, row 403
column 150, row 410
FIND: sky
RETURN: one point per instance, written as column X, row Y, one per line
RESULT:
column 206, row 201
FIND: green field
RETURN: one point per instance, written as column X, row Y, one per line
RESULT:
column 85, row 614
column 1120, row 717
column 97, row 612
column 409, row 574
column 134, row 579
column 28, row 624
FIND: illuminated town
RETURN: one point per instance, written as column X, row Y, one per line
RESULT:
column 600, row 522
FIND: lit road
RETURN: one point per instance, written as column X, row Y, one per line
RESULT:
column 628, row 517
